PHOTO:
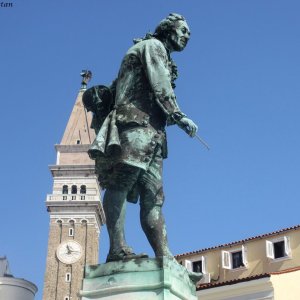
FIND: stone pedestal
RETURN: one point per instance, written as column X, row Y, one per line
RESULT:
column 138, row 279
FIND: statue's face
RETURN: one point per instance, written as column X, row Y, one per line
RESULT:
column 179, row 38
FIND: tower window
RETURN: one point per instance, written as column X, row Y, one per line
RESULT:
column 83, row 189
column 66, row 298
column 74, row 189
column 65, row 189
column 78, row 142
column 68, row 277
column 71, row 231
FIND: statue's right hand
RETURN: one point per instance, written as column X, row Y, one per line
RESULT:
column 188, row 126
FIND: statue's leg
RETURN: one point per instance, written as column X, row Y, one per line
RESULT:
column 151, row 201
column 114, row 204
column 123, row 179
column 153, row 224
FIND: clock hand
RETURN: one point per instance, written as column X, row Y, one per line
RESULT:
column 68, row 249
column 71, row 249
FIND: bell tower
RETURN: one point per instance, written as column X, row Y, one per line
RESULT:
column 75, row 209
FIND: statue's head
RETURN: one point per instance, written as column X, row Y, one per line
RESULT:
column 174, row 32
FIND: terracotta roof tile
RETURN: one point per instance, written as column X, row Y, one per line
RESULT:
column 229, row 282
column 254, row 277
column 286, row 271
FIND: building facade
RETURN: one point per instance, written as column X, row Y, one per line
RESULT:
column 260, row 267
column 75, row 210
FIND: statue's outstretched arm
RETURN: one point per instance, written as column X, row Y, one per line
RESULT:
column 155, row 60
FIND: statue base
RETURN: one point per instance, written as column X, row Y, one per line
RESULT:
column 138, row 279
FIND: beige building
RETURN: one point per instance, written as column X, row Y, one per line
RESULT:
column 75, row 210
column 260, row 267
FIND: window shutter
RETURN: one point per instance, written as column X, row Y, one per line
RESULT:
column 244, row 255
column 205, row 278
column 270, row 249
column 188, row 264
column 203, row 259
column 287, row 247
column 226, row 260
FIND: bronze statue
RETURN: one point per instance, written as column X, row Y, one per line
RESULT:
column 130, row 118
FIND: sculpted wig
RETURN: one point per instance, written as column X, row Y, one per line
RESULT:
column 164, row 28
column 166, row 25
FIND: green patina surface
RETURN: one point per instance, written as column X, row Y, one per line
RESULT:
column 142, row 279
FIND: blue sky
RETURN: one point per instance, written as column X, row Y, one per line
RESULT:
column 239, row 81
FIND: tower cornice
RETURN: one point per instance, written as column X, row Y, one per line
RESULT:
column 72, row 170
column 72, row 148
column 56, row 205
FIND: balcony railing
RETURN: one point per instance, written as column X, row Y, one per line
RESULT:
column 72, row 197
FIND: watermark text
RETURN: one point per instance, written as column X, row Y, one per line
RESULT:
column 6, row 4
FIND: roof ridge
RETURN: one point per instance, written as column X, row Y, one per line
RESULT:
column 232, row 281
column 285, row 271
column 204, row 286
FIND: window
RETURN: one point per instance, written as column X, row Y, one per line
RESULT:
column 198, row 266
column 83, row 189
column 74, row 189
column 68, row 277
column 65, row 189
column 235, row 258
column 71, row 231
column 66, row 298
column 278, row 248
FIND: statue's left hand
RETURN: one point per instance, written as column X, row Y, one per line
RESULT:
column 188, row 126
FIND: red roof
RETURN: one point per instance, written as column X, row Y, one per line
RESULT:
column 234, row 281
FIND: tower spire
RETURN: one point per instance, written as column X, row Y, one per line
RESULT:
column 78, row 130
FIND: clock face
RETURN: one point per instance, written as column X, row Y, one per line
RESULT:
column 69, row 252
